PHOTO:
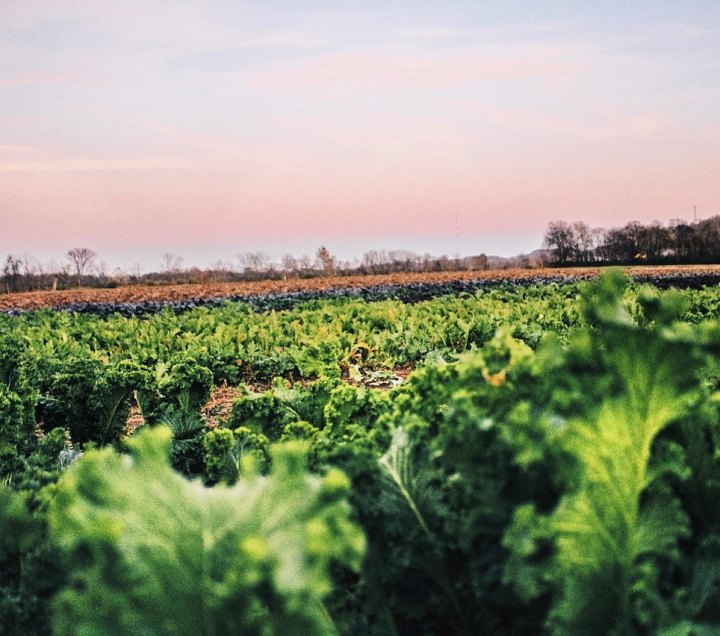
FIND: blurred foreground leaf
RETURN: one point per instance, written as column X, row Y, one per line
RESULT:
column 150, row 552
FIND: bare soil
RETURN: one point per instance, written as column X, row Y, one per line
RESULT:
column 140, row 293
column 219, row 407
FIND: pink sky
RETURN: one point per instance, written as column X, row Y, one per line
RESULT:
column 215, row 128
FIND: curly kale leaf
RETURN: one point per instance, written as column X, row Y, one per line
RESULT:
column 150, row 552
column 618, row 527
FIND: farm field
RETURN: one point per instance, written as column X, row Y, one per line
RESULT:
column 194, row 292
column 535, row 453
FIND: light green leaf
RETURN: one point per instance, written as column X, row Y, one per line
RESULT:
column 153, row 553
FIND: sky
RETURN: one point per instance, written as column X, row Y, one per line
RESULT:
column 211, row 128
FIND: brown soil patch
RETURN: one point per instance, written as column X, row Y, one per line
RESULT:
column 139, row 293
column 219, row 405
column 375, row 378
column 135, row 420
column 404, row 372
column 217, row 409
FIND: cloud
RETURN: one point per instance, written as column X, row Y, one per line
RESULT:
column 160, row 147
column 444, row 69
column 80, row 164
column 9, row 148
column 433, row 33
column 288, row 39
column 610, row 125
column 206, row 150
column 666, row 34
column 36, row 79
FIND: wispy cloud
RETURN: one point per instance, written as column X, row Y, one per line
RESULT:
column 161, row 147
column 212, row 151
column 604, row 126
column 97, row 165
column 433, row 33
column 36, row 79
column 373, row 67
column 291, row 39
column 10, row 149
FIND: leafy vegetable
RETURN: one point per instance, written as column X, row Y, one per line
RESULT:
column 152, row 553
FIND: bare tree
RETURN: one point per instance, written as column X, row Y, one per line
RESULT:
column 427, row 262
column 304, row 264
column 654, row 241
column 477, row 262
column 327, row 260
column 101, row 270
column 222, row 266
column 11, row 273
column 584, row 241
column 30, row 270
column 444, row 263
column 81, row 258
column 55, row 272
column 289, row 266
column 372, row 262
column 172, row 263
column 253, row 261
column 136, row 272
column 402, row 260
column 42, row 275
column 598, row 238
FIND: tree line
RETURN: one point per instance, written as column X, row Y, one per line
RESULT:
column 26, row 273
column 677, row 242
column 564, row 244
column 81, row 268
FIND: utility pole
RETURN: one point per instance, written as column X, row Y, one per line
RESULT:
column 695, row 213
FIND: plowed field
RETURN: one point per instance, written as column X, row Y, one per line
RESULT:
column 163, row 293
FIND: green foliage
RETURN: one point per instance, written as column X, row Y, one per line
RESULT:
column 451, row 481
column 16, row 429
column 264, row 413
column 43, row 465
column 30, row 571
column 542, row 489
column 174, row 393
column 18, row 398
column 220, row 463
column 307, row 402
column 353, row 410
column 173, row 396
column 551, row 467
column 226, row 451
column 151, row 553
column 619, row 527
column 92, row 399
column 187, row 385
column 315, row 339
column 300, row 430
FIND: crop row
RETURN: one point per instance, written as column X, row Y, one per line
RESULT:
column 551, row 467
column 411, row 292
